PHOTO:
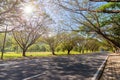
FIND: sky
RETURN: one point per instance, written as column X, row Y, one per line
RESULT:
column 61, row 16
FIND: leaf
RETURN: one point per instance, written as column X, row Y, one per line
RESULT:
column 109, row 5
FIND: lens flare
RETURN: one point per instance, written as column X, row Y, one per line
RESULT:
column 28, row 9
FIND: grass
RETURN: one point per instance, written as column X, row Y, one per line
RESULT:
column 13, row 55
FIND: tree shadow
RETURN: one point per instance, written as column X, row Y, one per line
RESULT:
column 112, row 70
column 56, row 68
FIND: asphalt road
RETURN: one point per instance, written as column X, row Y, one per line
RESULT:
column 73, row 67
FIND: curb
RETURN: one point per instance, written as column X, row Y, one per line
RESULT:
column 100, row 70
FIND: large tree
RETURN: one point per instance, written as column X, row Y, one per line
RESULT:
column 30, row 23
column 6, row 9
column 53, row 40
column 93, row 21
column 69, row 41
column 28, row 32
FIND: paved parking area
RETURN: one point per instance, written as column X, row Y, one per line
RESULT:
column 72, row 67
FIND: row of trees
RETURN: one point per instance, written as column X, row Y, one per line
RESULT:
column 102, row 19
column 27, row 29
column 59, row 42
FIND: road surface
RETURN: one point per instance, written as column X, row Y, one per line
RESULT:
column 72, row 67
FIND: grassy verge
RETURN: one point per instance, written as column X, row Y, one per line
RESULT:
column 13, row 55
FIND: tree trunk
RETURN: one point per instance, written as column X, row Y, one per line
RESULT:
column 2, row 54
column 24, row 53
column 69, row 52
column 92, row 50
column 53, row 51
column 82, row 51
column 4, row 41
column 86, row 50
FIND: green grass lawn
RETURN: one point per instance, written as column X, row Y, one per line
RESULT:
column 13, row 55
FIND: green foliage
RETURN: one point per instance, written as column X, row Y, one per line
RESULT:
column 38, row 48
column 109, row 5
column 112, row 26
column 69, row 41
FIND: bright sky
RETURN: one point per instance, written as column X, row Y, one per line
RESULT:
column 60, row 15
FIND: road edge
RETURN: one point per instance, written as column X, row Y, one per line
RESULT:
column 100, row 70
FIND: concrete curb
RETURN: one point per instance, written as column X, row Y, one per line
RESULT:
column 100, row 70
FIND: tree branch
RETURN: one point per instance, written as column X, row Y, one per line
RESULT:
column 9, row 8
column 86, row 9
column 105, row 0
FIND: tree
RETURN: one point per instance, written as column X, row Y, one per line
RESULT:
column 4, row 41
column 80, row 43
column 69, row 41
column 92, row 45
column 91, row 20
column 53, row 40
column 28, row 32
column 30, row 22
column 107, row 46
column 6, row 6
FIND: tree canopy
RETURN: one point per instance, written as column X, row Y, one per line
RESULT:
column 95, row 21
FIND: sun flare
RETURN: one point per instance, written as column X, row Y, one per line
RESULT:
column 28, row 9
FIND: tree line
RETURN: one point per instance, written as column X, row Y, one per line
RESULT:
column 102, row 19
column 27, row 30
column 57, row 43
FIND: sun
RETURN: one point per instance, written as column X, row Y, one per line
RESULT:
column 28, row 9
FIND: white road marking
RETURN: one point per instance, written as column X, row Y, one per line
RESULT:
column 34, row 76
